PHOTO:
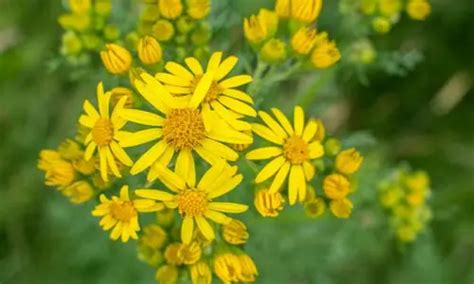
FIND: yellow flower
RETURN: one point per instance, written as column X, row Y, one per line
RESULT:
column 104, row 133
column 79, row 192
column 80, row 6
column 200, row 273
column 227, row 267
column 305, row 10
column 268, row 204
column 116, row 59
column 121, row 213
column 235, row 232
column 184, row 129
column 325, row 55
column 418, row 9
column 336, row 186
column 293, row 154
column 167, row 274
column 58, row 172
column 389, row 7
column 348, row 161
column 381, row 25
column 170, row 9
column 314, row 207
column 119, row 92
column 210, row 89
column 195, row 202
column 248, row 271
column 149, row 50
column 198, row 9
column 304, row 40
column 255, row 30
column 273, row 51
column 341, row 208
column 162, row 30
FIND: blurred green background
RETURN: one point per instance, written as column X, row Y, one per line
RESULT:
column 425, row 118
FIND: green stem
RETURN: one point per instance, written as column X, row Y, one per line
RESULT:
column 313, row 90
column 255, row 86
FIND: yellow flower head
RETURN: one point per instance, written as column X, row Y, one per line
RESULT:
column 273, row 51
column 80, row 6
column 200, row 273
column 268, row 204
column 149, row 50
column 348, row 161
column 381, row 25
column 227, row 267
column 167, row 274
column 314, row 207
column 119, row 92
column 211, row 89
column 235, row 232
column 389, row 8
column 104, row 131
column 304, row 40
column 198, row 9
column 194, row 202
column 58, row 172
column 418, row 9
column 162, row 30
column 336, row 186
column 255, row 30
column 325, row 55
column 305, row 11
column 170, row 9
column 341, row 208
column 184, row 128
column 248, row 271
column 79, row 192
column 121, row 214
column 116, row 59
column 292, row 154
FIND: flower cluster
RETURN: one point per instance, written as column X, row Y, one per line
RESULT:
column 288, row 32
column 405, row 196
column 86, row 27
column 385, row 13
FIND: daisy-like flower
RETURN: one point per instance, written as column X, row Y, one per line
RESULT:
column 104, row 130
column 292, row 155
column 210, row 89
column 183, row 129
column 194, row 202
column 121, row 214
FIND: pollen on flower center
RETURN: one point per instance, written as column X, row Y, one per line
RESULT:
column 183, row 128
column 103, row 132
column 213, row 92
column 296, row 150
column 123, row 211
column 192, row 202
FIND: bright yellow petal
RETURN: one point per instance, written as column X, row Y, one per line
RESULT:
column 149, row 157
column 178, row 70
column 187, row 229
column 217, row 217
column 280, row 178
column 309, row 170
column 283, row 121
column 185, row 167
column 87, row 121
column 90, row 110
column 272, row 124
column 172, row 80
column 296, row 184
column 239, row 95
column 194, row 65
column 117, row 231
column 151, row 95
column 90, row 150
column 225, row 67
column 170, row 179
column 226, row 187
column 103, row 163
column 154, row 194
column 207, row 156
column 266, row 133
column 316, row 150
column 103, row 101
column 235, row 81
column 121, row 155
column 220, row 149
column 140, row 137
column 142, row 117
column 264, row 153
column 228, row 207
column 270, row 169
column 237, row 106
column 205, row 228
column 310, row 131
column 111, row 162
column 298, row 120
column 214, row 61
column 201, row 89
column 211, row 175
column 124, row 193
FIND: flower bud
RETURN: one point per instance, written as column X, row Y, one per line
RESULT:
column 80, row 6
column 315, row 207
column 235, row 232
column 332, row 146
column 389, row 8
column 268, row 204
column 162, row 30
column 149, row 50
column 418, row 9
column 79, row 192
column 325, row 55
column 381, row 25
column 201, row 273
column 103, row 7
column 336, row 186
column 254, row 30
column 303, row 40
column 116, row 59
column 348, row 161
column 273, row 51
column 341, row 208
column 248, row 271
column 198, row 9
column 71, row 44
column 167, row 274
column 170, row 9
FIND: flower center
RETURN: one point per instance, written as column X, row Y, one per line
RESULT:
column 213, row 92
column 184, row 128
column 296, row 150
column 103, row 132
column 123, row 211
column 192, row 202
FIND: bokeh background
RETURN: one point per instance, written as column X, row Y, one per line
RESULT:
column 425, row 118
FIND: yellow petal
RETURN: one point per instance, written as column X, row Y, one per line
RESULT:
column 220, row 149
column 201, row 89
column 170, row 179
column 140, row 137
column 178, row 70
column 111, row 162
column 239, row 95
column 235, row 81
column 214, row 61
column 310, row 131
column 207, row 156
column 270, row 169
column 149, row 157
column 298, row 120
column 309, row 170
column 121, row 155
column 194, row 65
column 280, row 178
column 173, row 80
column 87, row 121
column 266, row 133
column 185, row 167
column 217, row 217
column 225, row 67
column 316, row 150
column 211, row 175
column 103, row 101
column 103, row 163
column 124, row 193
column 205, row 228
column 297, row 184
column 228, row 207
column 283, row 121
column 187, row 229
column 141, row 117
column 264, row 153
column 272, row 124
column 154, row 194
column 90, row 110
column 237, row 106
column 90, row 151
column 226, row 187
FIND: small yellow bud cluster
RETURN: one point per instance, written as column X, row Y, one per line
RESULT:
column 68, row 171
column 405, row 195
